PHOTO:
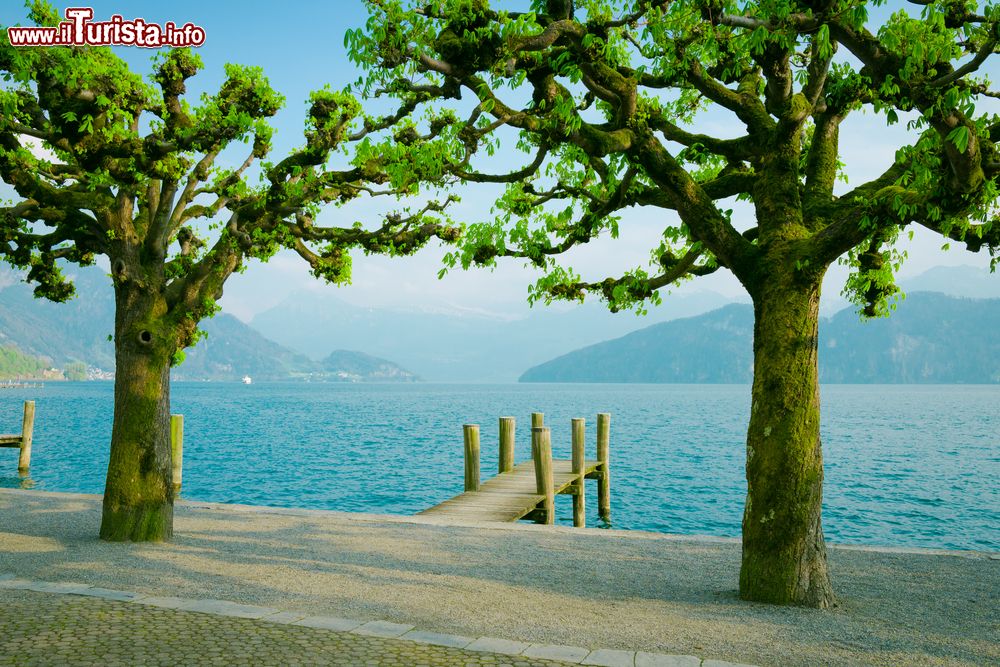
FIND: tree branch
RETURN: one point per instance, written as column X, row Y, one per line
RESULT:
column 696, row 208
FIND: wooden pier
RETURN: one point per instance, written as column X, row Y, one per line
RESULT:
column 527, row 490
column 18, row 384
column 22, row 440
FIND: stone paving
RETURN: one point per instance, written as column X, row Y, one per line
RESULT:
column 38, row 628
column 67, row 623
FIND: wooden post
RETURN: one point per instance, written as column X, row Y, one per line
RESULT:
column 537, row 420
column 579, row 500
column 603, row 457
column 471, row 434
column 506, row 461
column 177, row 449
column 541, row 454
column 27, row 432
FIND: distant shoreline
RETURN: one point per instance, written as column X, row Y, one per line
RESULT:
column 510, row 383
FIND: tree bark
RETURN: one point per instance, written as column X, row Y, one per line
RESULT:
column 784, row 555
column 138, row 495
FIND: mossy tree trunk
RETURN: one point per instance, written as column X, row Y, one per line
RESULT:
column 138, row 495
column 174, row 225
column 784, row 556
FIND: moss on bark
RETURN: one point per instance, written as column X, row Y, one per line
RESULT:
column 138, row 494
column 784, row 556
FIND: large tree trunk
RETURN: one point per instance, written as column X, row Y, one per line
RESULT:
column 138, row 495
column 784, row 556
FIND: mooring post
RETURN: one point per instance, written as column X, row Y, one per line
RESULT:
column 541, row 454
column 27, row 432
column 579, row 499
column 471, row 434
column 177, row 450
column 506, row 459
column 537, row 420
column 604, row 458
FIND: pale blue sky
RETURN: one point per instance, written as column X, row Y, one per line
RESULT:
column 300, row 47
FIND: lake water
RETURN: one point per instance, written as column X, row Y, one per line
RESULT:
column 905, row 465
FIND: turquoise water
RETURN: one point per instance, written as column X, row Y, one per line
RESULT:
column 905, row 465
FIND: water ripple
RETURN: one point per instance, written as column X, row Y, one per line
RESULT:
column 903, row 465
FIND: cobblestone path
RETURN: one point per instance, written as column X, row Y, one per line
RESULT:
column 49, row 629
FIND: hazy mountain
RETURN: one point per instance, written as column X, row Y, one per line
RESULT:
column 356, row 366
column 64, row 332
column 962, row 281
column 457, row 347
column 477, row 347
column 931, row 338
column 713, row 348
column 78, row 331
column 294, row 339
column 231, row 349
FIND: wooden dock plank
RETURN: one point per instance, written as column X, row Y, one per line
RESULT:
column 512, row 502
column 13, row 440
column 511, row 495
column 486, row 506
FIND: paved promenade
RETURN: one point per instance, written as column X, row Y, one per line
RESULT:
column 584, row 596
column 61, row 623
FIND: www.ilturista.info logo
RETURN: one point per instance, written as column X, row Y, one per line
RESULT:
column 79, row 30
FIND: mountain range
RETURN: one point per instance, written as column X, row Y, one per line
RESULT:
column 307, row 337
column 931, row 338
column 79, row 330
column 457, row 347
column 473, row 347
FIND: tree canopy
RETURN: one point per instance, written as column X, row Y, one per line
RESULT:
column 127, row 161
column 605, row 98
column 611, row 105
column 178, row 195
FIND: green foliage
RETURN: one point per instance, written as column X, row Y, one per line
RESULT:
column 104, row 163
column 959, row 137
column 15, row 364
column 76, row 371
column 606, row 98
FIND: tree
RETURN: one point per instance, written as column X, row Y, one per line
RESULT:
column 76, row 371
column 603, row 99
column 131, row 174
column 15, row 364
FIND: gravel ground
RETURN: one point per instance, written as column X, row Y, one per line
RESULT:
column 592, row 588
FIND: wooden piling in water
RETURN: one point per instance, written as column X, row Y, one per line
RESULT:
column 604, row 458
column 471, row 436
column 506, row 457
column 541, row 454
column 27, row 432
column 579, row 498
column 177, row 450
column 527, row 490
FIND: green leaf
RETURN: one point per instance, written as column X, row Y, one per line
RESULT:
column 959, row 137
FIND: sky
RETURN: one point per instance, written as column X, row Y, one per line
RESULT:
column 300, row 46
